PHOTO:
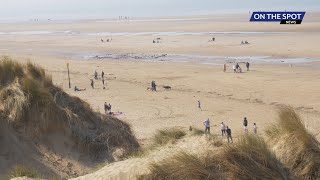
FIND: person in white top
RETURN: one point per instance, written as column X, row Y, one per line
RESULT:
column 234, row 68
column 223, row 129
column 206, row 124
column 255, row 128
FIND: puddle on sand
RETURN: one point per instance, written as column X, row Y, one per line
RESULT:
column 198, row 59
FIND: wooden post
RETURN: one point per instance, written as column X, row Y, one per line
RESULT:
column 69, row 75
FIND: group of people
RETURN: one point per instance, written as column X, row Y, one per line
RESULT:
column 236, row 67
column 226, row 131
column 107, row 40
column 244, row 42
column 95, row 75
column 158, row 40
column 96, row 78
column 245, row 126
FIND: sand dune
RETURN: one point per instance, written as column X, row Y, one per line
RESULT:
column 55, row 134
column 133, row 167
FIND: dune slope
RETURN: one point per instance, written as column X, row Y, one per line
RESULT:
column 45, row 128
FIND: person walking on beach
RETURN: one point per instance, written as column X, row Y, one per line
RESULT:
column 95, row 75
column 229, row 136
column 247, row 65
column 102, row 74
column 224, row 67
column 245, row 125
column 206, row 124
column 92, row 84
column 223, row 129
column 255, row 128
column 237, row 67
column 153, row 86
column 234, row 68
column 199, row 105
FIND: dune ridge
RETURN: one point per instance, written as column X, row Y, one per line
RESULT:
column 45, row 128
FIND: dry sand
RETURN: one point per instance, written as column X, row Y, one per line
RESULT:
column 225, row 97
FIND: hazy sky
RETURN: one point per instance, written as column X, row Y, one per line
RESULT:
column 59, row 9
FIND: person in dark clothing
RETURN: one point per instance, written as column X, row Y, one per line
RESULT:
column 78, row 89
column 102, row 81
column 153, row 86
column 229, row 137
column 92, row 84
column 106, row 107
column 102, row 74
column 247, row 65
column 199, row 105
column 255, row 128
column 237, row 66
column 245, row 125
column 95, row 75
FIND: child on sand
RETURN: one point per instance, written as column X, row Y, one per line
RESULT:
column 224, row 67
column 255, row 128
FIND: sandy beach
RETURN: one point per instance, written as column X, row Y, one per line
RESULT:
column 197, row 75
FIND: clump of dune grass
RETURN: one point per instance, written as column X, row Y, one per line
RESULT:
column 213, row 139
column 165, row 136
column 184, row 166
column 23, row 171
column 9, row 71
column 197, row 132
column 26, row 96
column 294, row 145
column 14, row 101
column 249, row 158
